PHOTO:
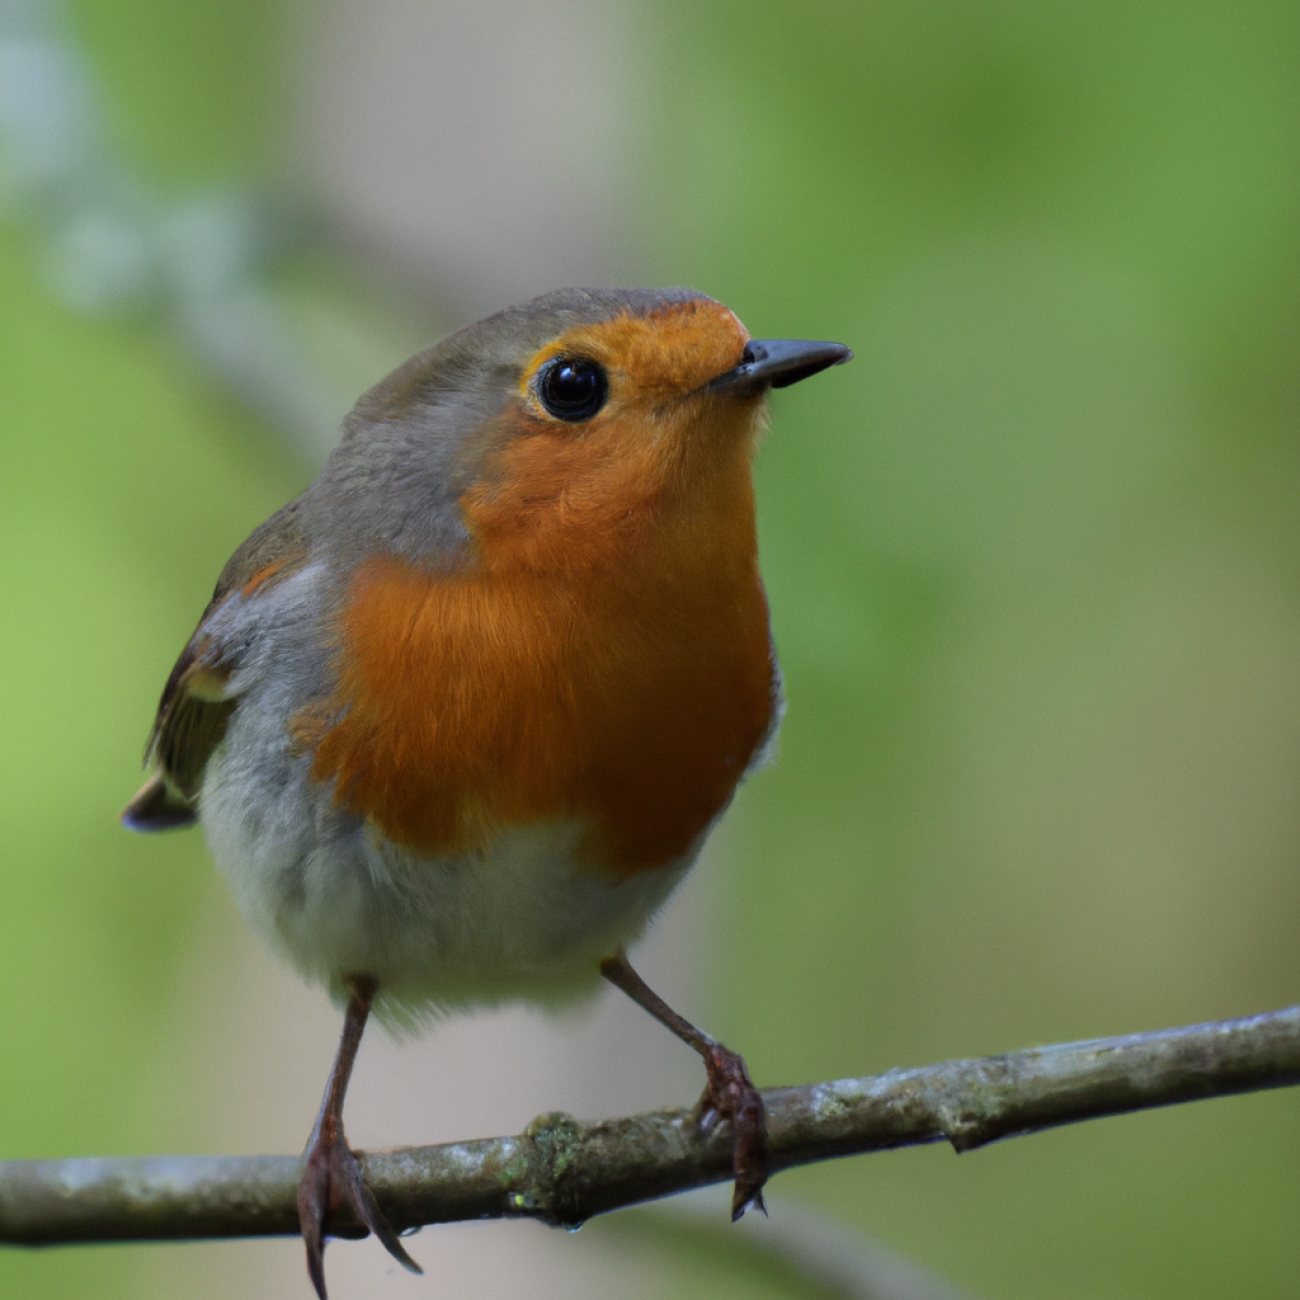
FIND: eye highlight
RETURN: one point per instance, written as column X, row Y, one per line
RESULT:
column 572, row 388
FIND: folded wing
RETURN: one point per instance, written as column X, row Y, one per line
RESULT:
column 196, row 703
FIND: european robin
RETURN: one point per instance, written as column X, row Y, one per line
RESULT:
column 459, row 717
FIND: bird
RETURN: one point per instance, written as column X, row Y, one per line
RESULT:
column 459, row 717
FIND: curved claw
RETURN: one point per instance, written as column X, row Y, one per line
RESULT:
column 330, row 1178
column 731, row 1094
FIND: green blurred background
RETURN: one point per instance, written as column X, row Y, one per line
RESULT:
column 1032, row 560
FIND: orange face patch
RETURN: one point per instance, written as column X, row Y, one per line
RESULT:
column 553, row 494
column 665, row 355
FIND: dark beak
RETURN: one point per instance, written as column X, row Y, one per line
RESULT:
column 777, row 363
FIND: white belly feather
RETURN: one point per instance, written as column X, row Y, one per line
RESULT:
column 324, row 888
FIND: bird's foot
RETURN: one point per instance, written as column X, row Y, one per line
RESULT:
column 732, row 1096
column 332, row 1178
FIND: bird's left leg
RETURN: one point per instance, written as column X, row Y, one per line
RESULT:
column 730, row 1094
column 331, row 1175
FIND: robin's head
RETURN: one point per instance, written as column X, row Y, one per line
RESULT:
column 577, row 414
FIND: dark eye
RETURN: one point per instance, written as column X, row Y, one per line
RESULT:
column 572, row 388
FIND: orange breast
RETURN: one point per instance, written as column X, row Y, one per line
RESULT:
column 630, row 691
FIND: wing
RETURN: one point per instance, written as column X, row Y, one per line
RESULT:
column 195, row 707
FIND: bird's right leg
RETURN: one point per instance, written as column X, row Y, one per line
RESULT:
column 331, row 1175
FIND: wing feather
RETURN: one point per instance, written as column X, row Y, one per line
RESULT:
column 195, row 710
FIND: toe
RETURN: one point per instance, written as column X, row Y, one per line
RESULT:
column 364, row 1205
column 332, row 1178
column 732, row 1095
column 313, row 1207
column 749, row 1159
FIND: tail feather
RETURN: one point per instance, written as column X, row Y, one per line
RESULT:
column 158, row 806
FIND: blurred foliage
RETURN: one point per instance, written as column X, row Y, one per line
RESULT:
column 192, row 90
column 1032, row 561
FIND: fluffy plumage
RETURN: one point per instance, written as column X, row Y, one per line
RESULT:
column 461, row 715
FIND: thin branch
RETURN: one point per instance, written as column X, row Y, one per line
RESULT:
column 564, row 1172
